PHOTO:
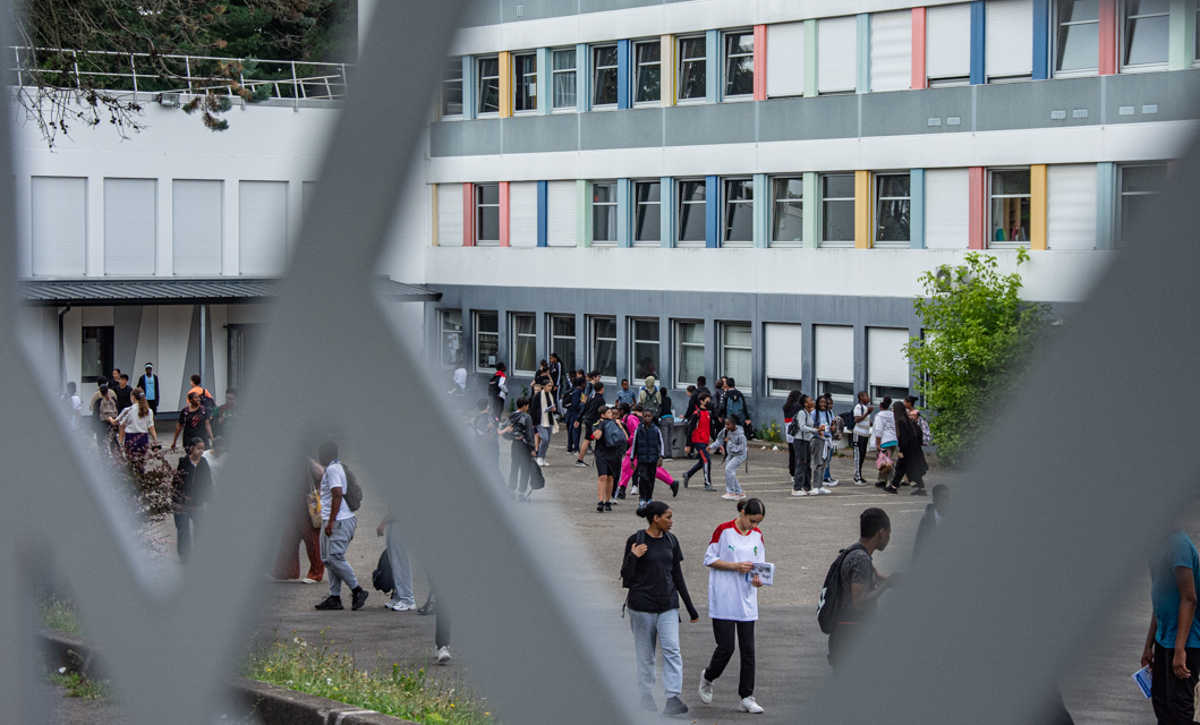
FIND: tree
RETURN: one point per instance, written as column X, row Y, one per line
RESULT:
column 979, row 335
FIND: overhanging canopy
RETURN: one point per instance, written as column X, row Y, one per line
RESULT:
column 183, row 291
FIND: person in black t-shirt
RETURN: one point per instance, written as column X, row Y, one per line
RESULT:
column 193, row 422
column 124, row 393
column 651, row 571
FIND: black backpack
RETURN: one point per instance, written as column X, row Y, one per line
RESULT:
column 847, row 420
column 354, row 493
column 382, row 578
column 640, row 538
column 830, row 604
column 494, row 386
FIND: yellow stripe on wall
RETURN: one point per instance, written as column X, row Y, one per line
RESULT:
column 506, row 84
column 433, row 188
column 862, row 210
column 667, row 74
column 1037, row 206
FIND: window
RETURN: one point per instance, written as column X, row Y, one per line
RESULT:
column 648, row 218
column 739, row 63
column 648, row 81
column 1144, row 32
column 735, row 354
column 689, row 352
column 604, row 75
column 1077, row 40
column 562, row 339
column 452, row 88
column 892, row 205
column 1010, row 208
column 1140, row 185
column 787, row 222
column 96, row 354
column 563, row 76
column 487, row 341
column 691, row 211
column 452, row 338
column 525, row 72
column 489, row 85
column 837, row 44
column 692, row 71
column 604, row 347
column 604, row 211
column 643, row 347
column 785, row 368
column 487, row 214
column 835, row 361
column 837, row 210
column 948, row 44
column 739, row 212
column 524, row 343
column 887, row 363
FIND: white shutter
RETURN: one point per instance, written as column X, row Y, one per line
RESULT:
column 785, row 59
column 837, row 40
column 262, row 227
column 450, row 215
column 947, row 208
column 561, row 214
column 891, row 51
column 522, row 214
column 886, row 361
column 196, row 226
column 58, row 223
column 1009, row 43
column 130, row 226
column 1071, row 206
column 835, row 353
column 948, row 41
column 785, row 343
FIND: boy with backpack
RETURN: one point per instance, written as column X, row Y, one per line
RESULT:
column 337, row 505
column 852, row 585
column 735, row 408
column 648, row 451
column 524, row 475
column 611, row 442
column 651, row 397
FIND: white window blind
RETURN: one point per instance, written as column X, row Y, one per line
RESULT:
column 785, row 344
column 450, row 215
column 561, row 214
column 1071, row 206
column 262, row 227
column 785, row 59
column 835, row 353
column 522, row 214
column 947, row 208
column 58, row 222
column 891, row 51
column 887, row 364
column 1009, row 43
column 948, row 41
column 130, row 226
column 197, row 210
column 836, row 54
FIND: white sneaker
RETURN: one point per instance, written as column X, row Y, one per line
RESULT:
column 706, row 690
column 800, row 492
column 443, row 656
column 729, row 496
column 750, row 706
column 401, row 606
column 824, row 490
column 633, row 490
column 832, row 482
column 541, row 462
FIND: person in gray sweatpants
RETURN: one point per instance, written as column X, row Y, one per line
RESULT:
column 733, row 441
column 338, row 532
column 402, row 599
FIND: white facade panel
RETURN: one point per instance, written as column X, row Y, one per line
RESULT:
column 947, row 208
column 196, row 224
column 522, row 214
column 785, row 343
column 130, row 226
column 1071, row 206
column 837, row 41
column 58, row 223
column 785, row 59
column 948, row 41
column 835, row 353
column 1008, row 49
column 262, row 227
column 891, row 51
column 561, row 214
column 887, row 363
column 450, row 215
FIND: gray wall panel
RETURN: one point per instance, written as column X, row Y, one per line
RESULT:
column 516, row 10
column 1166, row 96
column 481, row 12
column 530, row 134
column 1030, row 105
column 784, row 119
column 465, row 138
column 907, row 112
column 621, row 129
column 709, row 123
column 593, row 6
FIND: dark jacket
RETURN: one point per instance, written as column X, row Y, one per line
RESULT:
column 647, row 443
column 158, row 391
column 192, row 485
column 731, row 396
column 535, row 407
column 591, row 410
column 654, row 584
column 908, row 436
column 573, row 402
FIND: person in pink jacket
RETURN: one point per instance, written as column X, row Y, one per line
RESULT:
column 628, row 463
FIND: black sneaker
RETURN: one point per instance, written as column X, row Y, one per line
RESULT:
column 674, row 489
column 918, row 491
column 891, row 489
column 608, row 506
column 686, row 478
column 621, row 493
column 600, row 508
column 648, row 704
column 674, row 706
column 358, row 598
column 579, row 463
column 330, row 602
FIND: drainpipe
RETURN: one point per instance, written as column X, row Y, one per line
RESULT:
column 203, row 347
column 62, row 351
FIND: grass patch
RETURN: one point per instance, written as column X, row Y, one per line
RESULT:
column 79, row 686
column 59, row 615
column 405, row 694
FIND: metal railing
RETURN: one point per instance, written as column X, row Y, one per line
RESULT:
column 251, row 78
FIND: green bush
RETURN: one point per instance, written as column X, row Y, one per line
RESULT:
column 771, row 433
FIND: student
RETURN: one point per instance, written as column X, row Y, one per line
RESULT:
column 148, row 382
column 1172, row 650
column 136, row 427
column 572, row 403
column 648, row 448
column 859, row 583
column 700, row 425
column 884, row 431
column 632, row 419
column 192, row 486
column 74, row 405
column 402, row 599
column 625, row 394
column 735, row 407
column 651, row 570
column 588, row 419
column 206, row 398
column 193, row 421
column 912, row 455
column 611, row 440
column 861, row 434
column 523, row 471
column 932, row 518
column 718, row 397
column 791, row 407
column 103, row 406
column 733, row 445
column 666, row 409
column 542, row 410
column 340, row 523
column 823, row 445
column 650, row 398
column 123, row 392
column 484, row 426
column 733, row 597
column 807, row 441
column 498, row 390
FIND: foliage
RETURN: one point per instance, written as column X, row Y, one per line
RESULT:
column 146, row 481
column 406, row 694
column 770, row 433
column 59, row 615
column 79, row 686
column 979, row 335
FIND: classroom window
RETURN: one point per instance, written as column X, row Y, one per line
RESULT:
column 648, row 78
column 452, row 338
column 1077, row 35
column 562, row 339
column 648, row 216
column 1009, row 221
column 563, row 77
column 525, row 72
column 892, row 208
column 604, row 75
column 691, row 211
column 643, row 347
column 1144, row 32
column 787, row 221
column 784, row 358
column 1140, row 185
column 837, row 209
column 604, row 211
column 887, row 363
column 604, row 347
column 739, row 212
column 834, row 356
column 452, row 88
column 487, row 341
column 739, row 63
column 487, row 214
column 693, row 77
column 735, row 353
column 489, row 84
column 689, row 352
column 524, row 343
column 96, row 354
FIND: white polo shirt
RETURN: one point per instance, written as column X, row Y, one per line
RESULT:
column 730, row 594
